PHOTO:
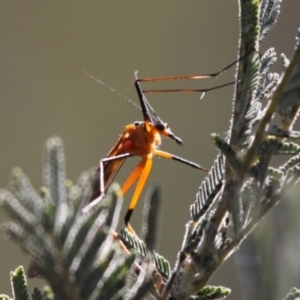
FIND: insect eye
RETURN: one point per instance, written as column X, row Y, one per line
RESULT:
column 137, row 123
column 160, row 126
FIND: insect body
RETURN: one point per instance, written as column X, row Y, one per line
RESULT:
column 138, row 139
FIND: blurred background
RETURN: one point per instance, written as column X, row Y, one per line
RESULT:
column 46, row 46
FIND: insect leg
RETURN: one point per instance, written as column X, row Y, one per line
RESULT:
column 199, row 76
column 178, row 158
column 143, row 170
column 101, row 178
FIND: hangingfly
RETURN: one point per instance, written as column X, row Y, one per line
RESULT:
column 138, row 139
column 142, row 139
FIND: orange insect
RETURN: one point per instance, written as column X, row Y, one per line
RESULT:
column 138, row 139
column 143, row 139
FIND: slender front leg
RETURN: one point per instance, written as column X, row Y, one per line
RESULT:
column 180, row 159
column 101, row 178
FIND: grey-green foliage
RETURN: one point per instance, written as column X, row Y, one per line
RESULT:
column 4, row 297
column 20, row 290
column 133, row 242
column 269, row 12
column 256, row 77
column 19, row 284
column 78, row 254
column 211, row 292
column 293, row 294
column 242, row 186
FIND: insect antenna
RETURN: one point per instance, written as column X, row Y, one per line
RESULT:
column 154, row 116
column 112, row 89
